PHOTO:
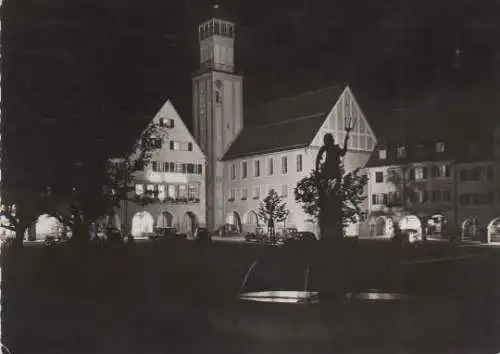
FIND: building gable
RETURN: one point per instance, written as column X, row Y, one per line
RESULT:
column 177, row 132
column 362, row 137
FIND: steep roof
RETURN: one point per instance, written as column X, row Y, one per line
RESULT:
column 284, row 124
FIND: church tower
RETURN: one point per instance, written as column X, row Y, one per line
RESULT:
column 217, row 107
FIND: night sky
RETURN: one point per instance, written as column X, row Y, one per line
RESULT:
column 75, row 71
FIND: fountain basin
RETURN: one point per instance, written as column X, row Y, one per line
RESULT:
column 362, row 316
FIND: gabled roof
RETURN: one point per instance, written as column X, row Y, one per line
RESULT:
column 288, row 123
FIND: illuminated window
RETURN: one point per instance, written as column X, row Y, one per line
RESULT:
column 382, row 154
column 172, row 191
column 419, row 173
column 182, row 191
column 193, row 191
column 401, row 152
column 440, row 147
column 139, row 189
column 161, row 191
column 181, row 145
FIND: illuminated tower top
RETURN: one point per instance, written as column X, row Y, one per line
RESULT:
column 216, row 38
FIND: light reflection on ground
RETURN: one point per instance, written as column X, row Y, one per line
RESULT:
column 303, row 297
column 281, row 296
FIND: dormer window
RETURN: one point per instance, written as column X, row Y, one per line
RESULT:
column 382, row 154
column 401, row 152
column 440, row 147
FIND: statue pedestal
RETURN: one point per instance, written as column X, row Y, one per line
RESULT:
column 332, row 250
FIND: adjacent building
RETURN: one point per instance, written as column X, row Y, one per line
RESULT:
column 175, row 176
column 441, row 187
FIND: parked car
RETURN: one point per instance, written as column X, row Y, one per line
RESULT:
column 228, row 230
column 407, row 236
column 202, row 235
column 301, row 236
column 166, row 233
column 259, row 236
column 287, row 233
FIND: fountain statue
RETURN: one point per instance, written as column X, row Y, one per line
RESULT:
column 329, row 171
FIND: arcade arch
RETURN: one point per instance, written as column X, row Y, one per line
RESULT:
column 189, row 224
column 494, row 231
column 234, row 220
column 165, row 219
column 470, row 229
column 142, row 224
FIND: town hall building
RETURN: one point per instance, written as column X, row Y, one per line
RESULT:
column 272, row 146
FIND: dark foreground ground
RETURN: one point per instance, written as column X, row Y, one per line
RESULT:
column 177, row 297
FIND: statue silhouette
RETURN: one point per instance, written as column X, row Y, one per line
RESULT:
column 332, row 153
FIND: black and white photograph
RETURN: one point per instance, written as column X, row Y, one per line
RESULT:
column 253, row 177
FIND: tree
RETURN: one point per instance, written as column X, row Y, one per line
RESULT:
column 272, row 209
column 351, row 193
column 100, row 189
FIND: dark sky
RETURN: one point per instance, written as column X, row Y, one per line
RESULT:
column 74, row 70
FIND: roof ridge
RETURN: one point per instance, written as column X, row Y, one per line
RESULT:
column 288, row 120
column 294, row 96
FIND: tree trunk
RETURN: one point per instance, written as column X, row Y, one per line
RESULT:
column 20, row 229
column 80, row 232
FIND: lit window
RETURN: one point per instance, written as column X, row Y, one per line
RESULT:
column 284, row 190
column 284, row 165
column 161, row 191
column 440, row 147
column 193, row 191
column 382, row 154
column 299, row 163
column 401, row 152
column 270, row 166
column 256, row 168
column 172, row 191
column 182, row 191
column 167, row 123
column 419, row 173
column 139, row 189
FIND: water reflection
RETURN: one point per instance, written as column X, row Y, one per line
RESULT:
column 312, row 297
column 289, row 296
